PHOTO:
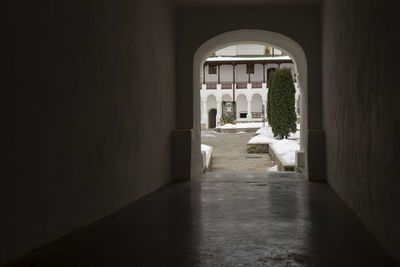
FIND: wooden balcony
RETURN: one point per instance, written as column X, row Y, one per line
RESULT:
column 226, row 85
column 241, row 85
column 211, row 85
column 256, row 115
column 257, row 85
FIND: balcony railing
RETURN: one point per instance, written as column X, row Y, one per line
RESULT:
column 211, row 85
column 256, row 115
column 226, row 85
column 241, row 85
column 256, row 84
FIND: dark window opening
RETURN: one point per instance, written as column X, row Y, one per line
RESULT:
column 243, row 115
column 250, row 69
column 212, row 69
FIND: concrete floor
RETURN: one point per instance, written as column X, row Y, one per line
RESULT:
column 223, row 219
column 230, row 153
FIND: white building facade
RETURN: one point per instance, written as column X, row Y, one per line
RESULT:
column 243, row 79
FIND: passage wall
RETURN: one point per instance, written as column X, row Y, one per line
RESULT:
column 94, row 108
column 361, row 111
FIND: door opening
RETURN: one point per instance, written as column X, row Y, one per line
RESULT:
column 212, row 118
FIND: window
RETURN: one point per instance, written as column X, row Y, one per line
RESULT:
column 212, row 69
column 250, row 69
column 243, row 115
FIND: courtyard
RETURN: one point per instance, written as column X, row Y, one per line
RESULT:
column 230, row 152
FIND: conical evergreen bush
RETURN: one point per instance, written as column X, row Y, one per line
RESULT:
column 281, row 98
column 269, row 98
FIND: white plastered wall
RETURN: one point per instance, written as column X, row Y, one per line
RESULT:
column 241, row 102
column 256, row 103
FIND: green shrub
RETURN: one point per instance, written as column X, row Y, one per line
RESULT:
column 281, row 98
column 269, row 97
column 228, row 117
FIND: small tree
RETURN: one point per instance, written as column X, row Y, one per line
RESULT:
column 282, row 113
column 269, row 99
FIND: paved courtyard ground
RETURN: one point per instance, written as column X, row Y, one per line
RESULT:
column 230, row 153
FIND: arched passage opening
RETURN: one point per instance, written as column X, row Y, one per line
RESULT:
column 241, row 102
column 286, row 44
column 211, row 104
column 212, row 120
column 256, row 106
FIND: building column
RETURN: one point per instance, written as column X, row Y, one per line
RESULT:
column 204, row 115
column 219, row 111
column 204, row 73
column 263, row 73
column 264, row 104
column 234, row 82
column 219, row 85
column 219, row 74
column 248, row 67
column 249, row 110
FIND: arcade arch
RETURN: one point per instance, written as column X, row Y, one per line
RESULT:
column 241, row 107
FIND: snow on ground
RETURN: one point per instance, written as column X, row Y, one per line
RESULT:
column 294, row 136
column 285, row 148
column 206, row 148
column 242, row 125
column 207, row 134
column 266, row 131
column 273, row 169
column 261, row 139
column 227, row 58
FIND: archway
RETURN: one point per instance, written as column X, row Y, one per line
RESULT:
column 211, row 103
column 241, row 107
column 256, row 106
column 286, row 44
column 212, row 118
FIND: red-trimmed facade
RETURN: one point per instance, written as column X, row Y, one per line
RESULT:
column 244, row 81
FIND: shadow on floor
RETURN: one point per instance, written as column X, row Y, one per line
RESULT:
column 223, row 219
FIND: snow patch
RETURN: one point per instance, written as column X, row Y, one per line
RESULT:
column 266, row 131
column 261, row 139
column 273, row 169
column 225, row 58
column 207, row 134
column 206, row 148
column 208, row 151
column 285, row 148
column 242, row 125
